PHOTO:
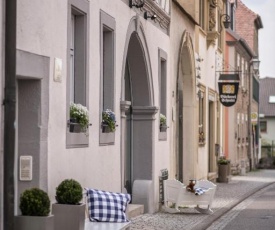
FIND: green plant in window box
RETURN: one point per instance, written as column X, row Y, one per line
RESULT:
column 162, row 121
column 108, row 121
column 79, row 116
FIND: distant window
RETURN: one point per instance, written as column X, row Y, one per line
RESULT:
column 238, row 62
column 271, row 99
column 242, row 69
column 263, row 126
column 202, row 113
column 164, row 4
column 232, row 15
column 202, row 14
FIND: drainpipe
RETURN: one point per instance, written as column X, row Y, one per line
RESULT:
column 249, row 120
column 9, row 112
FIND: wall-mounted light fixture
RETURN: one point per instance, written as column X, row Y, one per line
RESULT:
column 226, row 22
column 255, row 64
column 146, row 16
column 137, row 5
column 199, row 59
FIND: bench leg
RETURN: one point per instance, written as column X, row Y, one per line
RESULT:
column 207, row 210
column 171, row 210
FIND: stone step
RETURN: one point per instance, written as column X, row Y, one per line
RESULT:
column 134, row 210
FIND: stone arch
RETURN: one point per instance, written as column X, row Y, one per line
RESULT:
column 137, row 114
column 186, row 110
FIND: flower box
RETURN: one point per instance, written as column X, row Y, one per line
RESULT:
column 79, row 118
column 163, row 128
column 75, row 127
column 162, row 123
column 108, row 124
column 106, row 128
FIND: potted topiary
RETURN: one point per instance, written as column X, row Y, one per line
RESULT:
column 69, row 212
column 35, row 209
column 223, row 169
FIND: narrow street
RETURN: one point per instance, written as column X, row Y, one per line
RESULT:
column 256, row 212
column 236, row 205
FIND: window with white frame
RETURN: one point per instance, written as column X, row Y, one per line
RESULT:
column 272, row 99
column 164, row 4
column 246, row 75
column 263, row 126
column 238, row 62
column 242, row 69
column 232, row 8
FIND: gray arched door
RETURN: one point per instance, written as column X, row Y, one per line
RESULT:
column 137, row 136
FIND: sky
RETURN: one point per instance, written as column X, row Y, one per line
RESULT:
column 266, row 10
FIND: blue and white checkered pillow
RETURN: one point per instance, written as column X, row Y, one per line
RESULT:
column 200, row 191
column 107, row 206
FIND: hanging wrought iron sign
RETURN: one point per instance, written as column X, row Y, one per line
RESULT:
column 228, row 89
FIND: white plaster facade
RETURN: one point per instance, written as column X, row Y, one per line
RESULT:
column 42, row 36
column 42, row 30
column 183, row 143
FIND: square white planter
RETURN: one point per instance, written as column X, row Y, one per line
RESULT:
column 69, row 217
column 34, row 222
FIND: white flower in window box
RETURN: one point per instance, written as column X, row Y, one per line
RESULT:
column 79, row 118
column 162, row 120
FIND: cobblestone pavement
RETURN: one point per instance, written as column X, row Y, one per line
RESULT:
column 227, row 196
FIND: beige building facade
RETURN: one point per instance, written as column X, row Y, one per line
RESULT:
column 140, row 59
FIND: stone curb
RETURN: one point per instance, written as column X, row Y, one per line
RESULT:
column 221, row 211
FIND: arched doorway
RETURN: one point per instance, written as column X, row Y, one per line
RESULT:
column 137, row 111
column 186, row 112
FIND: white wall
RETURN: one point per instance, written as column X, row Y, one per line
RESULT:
column 42, row 29
column 179, row 24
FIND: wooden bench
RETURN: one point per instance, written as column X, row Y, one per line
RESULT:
column 90, row 225
column 176, row 195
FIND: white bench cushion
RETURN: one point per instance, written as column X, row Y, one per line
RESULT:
column 106, row 225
